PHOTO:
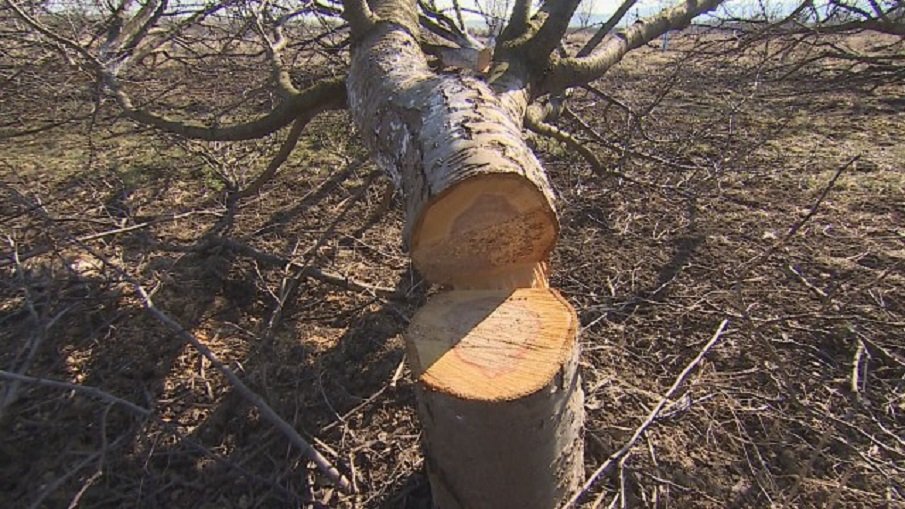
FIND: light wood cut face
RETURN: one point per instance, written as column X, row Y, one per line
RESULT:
column 483, row 228
column 491, row 345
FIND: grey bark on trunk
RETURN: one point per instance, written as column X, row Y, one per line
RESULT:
column 495, row 361
column 477, row 200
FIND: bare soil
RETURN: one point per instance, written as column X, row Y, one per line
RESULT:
column 801, row 403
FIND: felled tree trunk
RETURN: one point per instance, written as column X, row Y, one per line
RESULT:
column 495, row 360
column 479, row 207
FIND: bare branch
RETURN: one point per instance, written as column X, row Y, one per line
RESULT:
column 53, row 36
column 755, row 261
column 536, row 124
column 306, row 270
column 274, row 48
column 359, row 16
column 651, row 417
column 441, row 25
column 458, row 11
column 279, row 158
column 518, row 21
column 325, row 95
column 570, row 72
column 13, row 258
column 555, row 17
column 83, row 389
column 138, row 26
column 267, row 412
column 607, row 27
column 159, row 39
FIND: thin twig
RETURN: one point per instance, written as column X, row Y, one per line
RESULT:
column 856, row 369
column 753, row 262
column 143, row 412
column 53, row 486
column 306, row 270
column 9, row 395
column 267, row 412
column 329, row 471
column 279, row 158
column 617, row 456
column 83, row 389
column 100, row 235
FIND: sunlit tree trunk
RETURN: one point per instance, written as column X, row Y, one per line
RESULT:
column 496, row 360
column 479, row 208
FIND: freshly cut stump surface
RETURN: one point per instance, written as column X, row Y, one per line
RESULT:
column 491, row 345
column 499, row 396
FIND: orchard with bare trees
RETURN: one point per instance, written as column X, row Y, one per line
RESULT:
column 459, row 254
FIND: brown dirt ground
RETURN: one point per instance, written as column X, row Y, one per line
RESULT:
column 690, row 229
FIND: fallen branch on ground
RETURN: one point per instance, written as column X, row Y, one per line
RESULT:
column 98, row 394
column 267, row 412
column 617, row 456
column 334, row 475
column 748, row 266
column 306, row 270
column 100, row 235
column 83, row 389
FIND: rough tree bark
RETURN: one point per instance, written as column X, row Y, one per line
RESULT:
column 496, row 370
column 478, row 203
column 495, row 360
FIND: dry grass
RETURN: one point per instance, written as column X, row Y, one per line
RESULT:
column 653, row 263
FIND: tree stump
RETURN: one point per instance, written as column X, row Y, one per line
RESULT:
column 499, row 397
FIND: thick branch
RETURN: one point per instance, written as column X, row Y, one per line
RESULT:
column 326, row 95
column 570, row 72
column 606, row 28
column 137, row 27
column 401, row 12
column 518, row 21
column 549, row 36
column 477, row 199
column 873, row 24
column 359, row 16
